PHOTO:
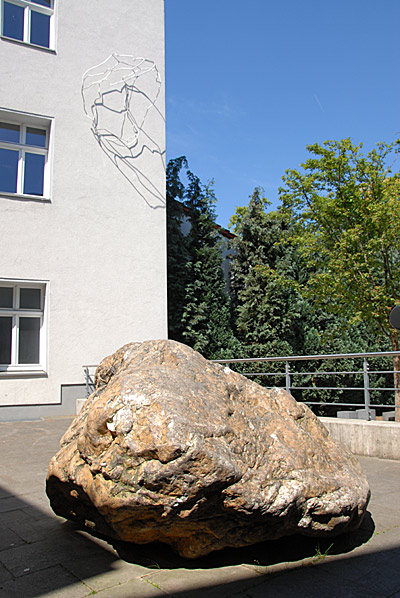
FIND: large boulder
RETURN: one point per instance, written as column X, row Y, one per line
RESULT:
column 175, row 448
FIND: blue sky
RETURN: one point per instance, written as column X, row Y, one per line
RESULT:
column 250, row 84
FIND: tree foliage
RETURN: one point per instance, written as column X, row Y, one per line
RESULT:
column 177, row 253
column 199, row 304
column 265, row 306
column 345, row 211
column 317, row 276
column 273, row 313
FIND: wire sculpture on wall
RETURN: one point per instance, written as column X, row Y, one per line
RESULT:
column 120, row 96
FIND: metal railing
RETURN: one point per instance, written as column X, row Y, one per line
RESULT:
column 89, row 371
column 289, row 375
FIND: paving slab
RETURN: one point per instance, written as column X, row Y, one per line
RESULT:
column 307, row 582
column 11, row 503
column 216, row 583
column 25, row 527
column 43, row 555
column 111, row 571
column 373, row 572
column 4, row 493
column 137, row 588
column 54, row 582
column 9, row 539
column 4, row 575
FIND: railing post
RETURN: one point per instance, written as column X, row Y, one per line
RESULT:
column 287, row 376
column 86, row 370
column 367, row 396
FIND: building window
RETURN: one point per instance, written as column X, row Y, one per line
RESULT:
column 22, row 326
column 24, row 149
column 28, row 21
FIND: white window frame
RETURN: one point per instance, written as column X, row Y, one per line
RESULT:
column 30, row 7
column 16, row 312
column 24, row 121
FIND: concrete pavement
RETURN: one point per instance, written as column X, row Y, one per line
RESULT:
column 43, row 555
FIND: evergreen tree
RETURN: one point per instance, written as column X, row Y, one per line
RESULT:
column 177, row 253
column 268, row 310
column 199, row 308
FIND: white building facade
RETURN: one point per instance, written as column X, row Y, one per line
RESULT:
column 82, row 192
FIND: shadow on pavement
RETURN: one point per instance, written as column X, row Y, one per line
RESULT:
column 369, row 575
column 292, row 548
column 40, row 554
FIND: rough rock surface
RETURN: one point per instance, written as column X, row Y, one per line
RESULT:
column 175, row 448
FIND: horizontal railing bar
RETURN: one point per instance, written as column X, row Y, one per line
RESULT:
column 328, row 388
column 331, row 388
column 308, row 357
column 327, row 404
column 299, row 358
column 293, row 373
column 384, row 372
column 264, row 373
column 362, row 405
column 332, row 404
column 380, row 406
column 376, row 388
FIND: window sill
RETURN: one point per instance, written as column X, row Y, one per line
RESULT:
column 27, row 44
column 23, row 373
column 21, row 197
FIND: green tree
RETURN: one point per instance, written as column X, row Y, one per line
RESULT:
column 345, row 213
column 177, row 253
column 268, row 309
column 199, row 307
column 273, row 314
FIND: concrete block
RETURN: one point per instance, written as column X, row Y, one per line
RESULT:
column 357, row 414
column 389, row 416
column 369, row 438
column 363, row 414
column 346, row 415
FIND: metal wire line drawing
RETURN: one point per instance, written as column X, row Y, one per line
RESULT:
column 120, row 96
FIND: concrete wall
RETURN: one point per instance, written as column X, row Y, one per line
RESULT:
column 367, row 438
column 98, row 243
